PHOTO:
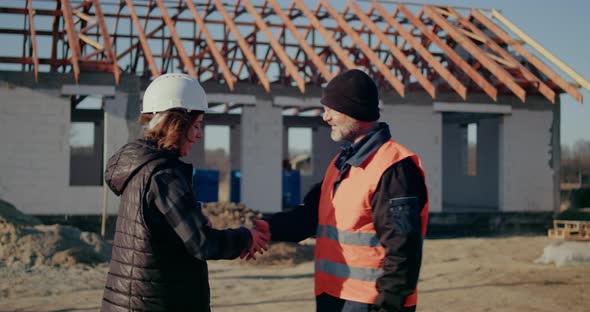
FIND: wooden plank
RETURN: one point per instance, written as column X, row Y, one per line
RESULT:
column 90, row 42
column 315, row 59
column 517, row 46
column 104, row 32
column 85, row 17
column 506, row 58
column 472, row 35
column 143, row 40
column 486, row 86
column 244, row 46
column 33, row 38
column 383, row 69
column 219, row 59
column 539, row 48
column 72, row 37
column 276, row 46
column 424, row 53
column 401, row 57
column 315, row 23
column 476, row 52
column 188, row 63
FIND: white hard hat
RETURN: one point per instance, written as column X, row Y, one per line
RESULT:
column 174, row 91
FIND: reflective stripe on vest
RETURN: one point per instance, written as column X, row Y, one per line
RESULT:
column 345, row 271
column 345, row 237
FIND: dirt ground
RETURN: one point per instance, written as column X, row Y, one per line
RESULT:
column 471, row 274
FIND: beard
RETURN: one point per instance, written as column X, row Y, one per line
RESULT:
column 346, row 132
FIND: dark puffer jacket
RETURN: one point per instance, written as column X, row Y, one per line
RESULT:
column 162, row 238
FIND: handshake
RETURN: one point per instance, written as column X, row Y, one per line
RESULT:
column 260, row 238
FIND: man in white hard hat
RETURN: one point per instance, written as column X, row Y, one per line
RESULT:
column 162, row 239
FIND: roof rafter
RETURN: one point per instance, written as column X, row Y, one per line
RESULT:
column 33, row 38
column 308, row 49
column 104, row 32
column 528, row 55
column 383, row 69
column 188, row 63
column 452, row 55
column 229, row 79
column 438, row 67
column 401, row 57
column 72, row 37
column 244, row 46
column 530, row 41
column 476, row 52
column 315, row 23
column 276, row 46
column 505, row 56
column 143, row 40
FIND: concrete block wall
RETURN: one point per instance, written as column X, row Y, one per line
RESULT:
column 262, row 153
column 323, row 149
column 526, row 175
column 35, row 153
column 419, row 128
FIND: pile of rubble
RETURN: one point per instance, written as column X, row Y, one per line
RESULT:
column 231, row 215
column 25, row 242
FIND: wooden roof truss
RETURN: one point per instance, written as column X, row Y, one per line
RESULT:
column 423, row 47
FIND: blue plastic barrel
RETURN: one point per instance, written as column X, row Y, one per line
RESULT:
column 206, row 185
column 291, row 188
column 234, row 186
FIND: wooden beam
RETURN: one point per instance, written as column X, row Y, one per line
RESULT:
column 401, row 57
column 72, row 37
column 33, row 38
column 436, row 65
column 539, row 48
column 104, row 32
column 85, row 17
column 383, row 69
column 315, row 23
column 219, row 59
column 315, row 59
column 476, row 52
column 244, row 46
column 486, row 86
column 276, row 46
column 517, row 46
column 188, row 63
column 143, row 40
column 506, row 58
column 90, row 42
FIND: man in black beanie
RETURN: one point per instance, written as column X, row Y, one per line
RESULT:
column 370, row 212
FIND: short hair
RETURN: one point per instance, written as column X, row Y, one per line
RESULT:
column 171, row 130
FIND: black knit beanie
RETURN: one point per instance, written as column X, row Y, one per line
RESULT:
column 353, row 93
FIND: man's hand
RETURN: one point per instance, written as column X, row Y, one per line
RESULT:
column 260, row 238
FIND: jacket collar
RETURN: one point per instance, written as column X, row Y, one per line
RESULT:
column 358, row 152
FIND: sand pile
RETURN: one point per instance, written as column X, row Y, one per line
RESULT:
column 25, row 242
column 231, row 215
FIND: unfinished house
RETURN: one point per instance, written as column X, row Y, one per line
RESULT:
column 466, row 89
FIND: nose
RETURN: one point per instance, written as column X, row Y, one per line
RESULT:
column 326, row 117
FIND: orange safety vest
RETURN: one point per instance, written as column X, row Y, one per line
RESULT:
column 348, row 255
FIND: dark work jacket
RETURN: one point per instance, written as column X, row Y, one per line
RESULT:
column 162, row 238
column 399, row 234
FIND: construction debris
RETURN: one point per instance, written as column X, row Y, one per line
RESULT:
column 570, row 230
column 25, row 242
